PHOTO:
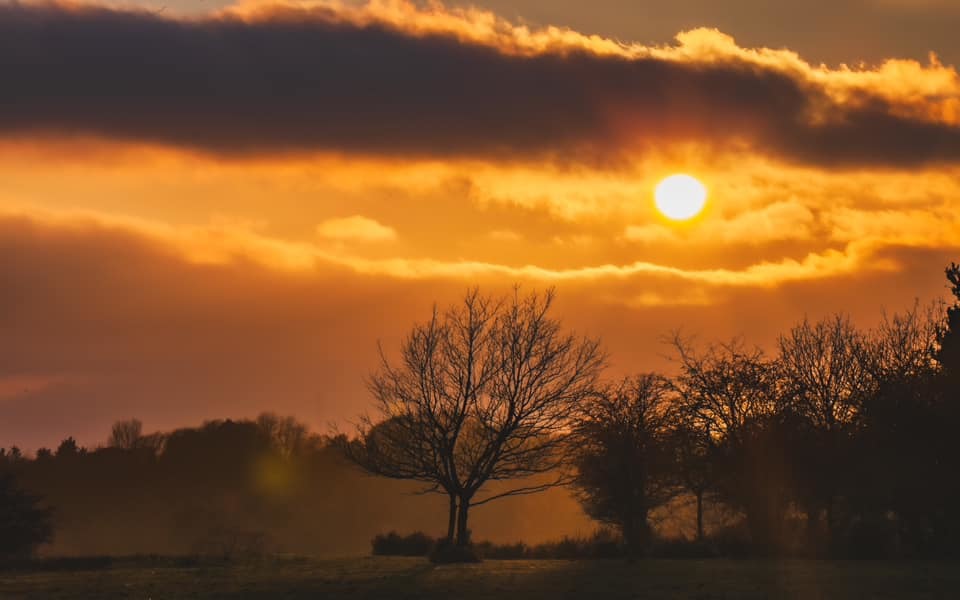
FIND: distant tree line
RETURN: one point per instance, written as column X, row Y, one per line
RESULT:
column 839, row 443
column 214, row 489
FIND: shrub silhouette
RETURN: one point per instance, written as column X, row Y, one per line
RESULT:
column 24, row 525
column 447, row 552
column 394, row 544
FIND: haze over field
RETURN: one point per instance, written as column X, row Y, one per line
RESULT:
column 211, row 213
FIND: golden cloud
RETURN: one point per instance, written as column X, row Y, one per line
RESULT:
column 356, row 228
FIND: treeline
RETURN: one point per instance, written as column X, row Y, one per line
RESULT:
column 212, row 489
column 226, row 488
column 840, row 443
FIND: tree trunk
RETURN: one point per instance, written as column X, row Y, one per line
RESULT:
column 452, row 520
column 700, row 535
column 636, row 533
column 830, row 521
column 463, row 534
column 630, row 537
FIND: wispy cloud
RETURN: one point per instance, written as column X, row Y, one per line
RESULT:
column 222, row 244
column 356, row 228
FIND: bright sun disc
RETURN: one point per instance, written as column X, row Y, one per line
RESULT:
column 680, row 197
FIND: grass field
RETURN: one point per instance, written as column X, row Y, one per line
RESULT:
column 500, row 580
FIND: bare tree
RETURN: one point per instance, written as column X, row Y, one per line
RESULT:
column 692, row 446
column 126, row 434
column 828, row 366
column 731, row 404
column 483, row 392
column 287, row 435
column 905, row 344
column 625, row 462
column 726, row 387
column 829, row 370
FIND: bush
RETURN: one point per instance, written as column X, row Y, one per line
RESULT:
column 24, row 524
column 394, row 544
column 604, row 543
column 63, row 563
column 230, row 544
column 493, row 551
column 445, row 552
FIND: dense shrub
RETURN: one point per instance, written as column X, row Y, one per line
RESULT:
column 502, row 551
column 24, row 524
column 394, row 544
column 602, row 544
column 230, row 544
column 444, row 552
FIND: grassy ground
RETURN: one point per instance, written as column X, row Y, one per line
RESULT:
column 499, row 580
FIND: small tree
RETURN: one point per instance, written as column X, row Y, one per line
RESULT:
column 287, row 435
column 126, row 434
column 624, row 457
column 483, row 392
column 69, row 448
column 692, row 447
column 24, row 525
column 732, row 404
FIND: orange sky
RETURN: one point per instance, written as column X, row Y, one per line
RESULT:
column 213, row 215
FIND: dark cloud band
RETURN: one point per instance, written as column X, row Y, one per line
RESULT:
column 273, row 85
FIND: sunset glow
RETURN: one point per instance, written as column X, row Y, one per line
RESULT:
column 289, row 183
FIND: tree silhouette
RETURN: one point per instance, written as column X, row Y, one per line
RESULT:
column 625, row 462
column 69, row 448
column 692, row 446
column 483, row 392
column 287, row 435
column 24, row 525
column 126, row 434
column 828, row 373
column 731, row 400
column 949, row 354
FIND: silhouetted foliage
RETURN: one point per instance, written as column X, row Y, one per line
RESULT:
column 126, row 434
column 731, row 394
column 24, row 524
column 448, row 552
column 623, row 454
column 394, row 544
column 69, row 448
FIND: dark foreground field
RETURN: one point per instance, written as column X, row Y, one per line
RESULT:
column 501, row 580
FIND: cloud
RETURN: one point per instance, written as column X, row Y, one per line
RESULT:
column 390, row 79
column 356, row 228
column 777, row 221
column 226, row 244
column 505, row 235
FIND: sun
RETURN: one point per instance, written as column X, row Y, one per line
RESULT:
column 680, row 197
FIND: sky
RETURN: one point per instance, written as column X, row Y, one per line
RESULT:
column 209, row 210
